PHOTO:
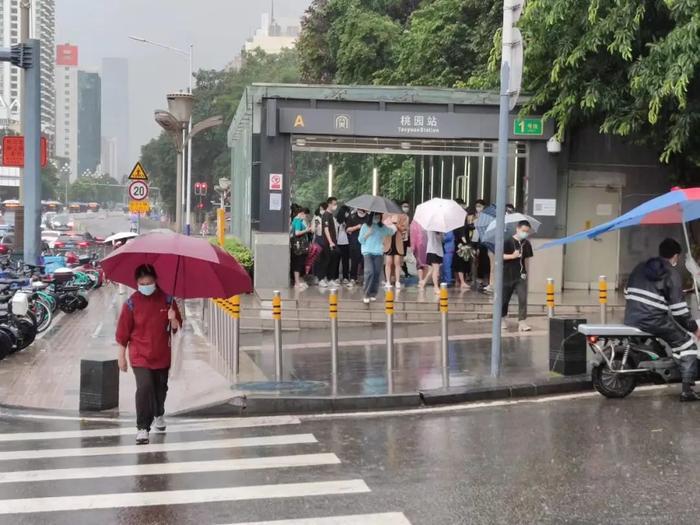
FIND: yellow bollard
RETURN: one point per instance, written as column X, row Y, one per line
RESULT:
column 220, row 226
column 389, row 310
column 603, row 298
column 235, row 305
column 550, row 297
column 444, row 339
column 333, row 314
column 277, row 321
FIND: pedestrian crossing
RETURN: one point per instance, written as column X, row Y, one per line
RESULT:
column 250, row 467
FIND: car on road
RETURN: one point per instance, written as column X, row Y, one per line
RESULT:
column 75, row 241
column 7, row 244
column 62, row 223
column 49, row 237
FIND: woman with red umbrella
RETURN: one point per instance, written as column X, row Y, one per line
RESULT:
column 147, row 321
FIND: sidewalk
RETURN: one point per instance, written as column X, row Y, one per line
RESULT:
column 47, row 374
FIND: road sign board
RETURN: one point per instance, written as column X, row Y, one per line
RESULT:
column 139, row 207
column 138, row 190
column 13, row 151
column 528, row 126
column 138, row 173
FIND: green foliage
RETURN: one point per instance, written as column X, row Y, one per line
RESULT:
column 629, row 66
column 49, row 182
column 239, row 251
column 95, row 189
column 216, row 93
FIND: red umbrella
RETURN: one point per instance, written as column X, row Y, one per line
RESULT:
column 187, row 267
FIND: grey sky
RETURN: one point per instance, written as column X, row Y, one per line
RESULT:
column 217, row 28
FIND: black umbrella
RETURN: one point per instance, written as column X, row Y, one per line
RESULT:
column 375, row 204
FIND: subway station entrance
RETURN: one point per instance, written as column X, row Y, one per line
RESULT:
column 301, row 144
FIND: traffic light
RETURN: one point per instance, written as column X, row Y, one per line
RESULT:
column 200, row 188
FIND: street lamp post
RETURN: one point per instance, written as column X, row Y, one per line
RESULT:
column 188, row 157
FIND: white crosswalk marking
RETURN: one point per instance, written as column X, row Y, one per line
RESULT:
column 151, row 469
column 128, row 431
column 179, row 497
column 291, row 439
column 87, row 476
column 385, row 518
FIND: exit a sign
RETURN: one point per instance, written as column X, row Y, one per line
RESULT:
column 528, row 126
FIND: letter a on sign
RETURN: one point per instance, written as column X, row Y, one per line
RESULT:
column 138, row 173
column 299, row 122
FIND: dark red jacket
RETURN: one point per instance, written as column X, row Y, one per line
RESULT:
column 143, row 328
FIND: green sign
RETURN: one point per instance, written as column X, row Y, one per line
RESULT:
column 527, row 126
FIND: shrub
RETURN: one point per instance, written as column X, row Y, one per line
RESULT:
column 240, row 251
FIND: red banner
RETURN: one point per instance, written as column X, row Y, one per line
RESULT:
column 13, row 151
column 66, row 55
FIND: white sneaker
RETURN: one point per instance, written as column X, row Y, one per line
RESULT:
column 398, row 285
column 487, row 289
column 346, row 282
column 323, row 283
column 523, row 326
column 373, row 299
column 366, row 300
column 350, row 284
column 159, row 423
column 504, row 325
column 336, row 282
column 142, row 437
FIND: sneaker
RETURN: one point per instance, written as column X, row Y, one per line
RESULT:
column 523, row 326
column 345, row 282
column 373, row 299
column 487, row 289
column 504, row 325
column 689, row 396
column 142, row 437
column 160, row 423
column 301, row 286
column 398, row 285
column 323, row 283
column 350, row 284
column 366, row 300
column 335, row 282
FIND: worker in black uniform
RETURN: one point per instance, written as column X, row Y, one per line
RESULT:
column 656, row 304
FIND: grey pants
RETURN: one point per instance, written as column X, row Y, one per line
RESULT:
column 151, row 389
column 518, row 287
column 373, row 273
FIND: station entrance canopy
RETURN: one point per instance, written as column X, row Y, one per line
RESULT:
column 317, row 140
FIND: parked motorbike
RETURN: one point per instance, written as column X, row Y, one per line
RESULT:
column 625, row 355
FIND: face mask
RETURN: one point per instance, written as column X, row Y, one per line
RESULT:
column 147, row 289
column 674, row 263
column 332, row 207
column 375, row 219
column 405, row 209
column 479, row 209
column 523, row 235
column 360, row 213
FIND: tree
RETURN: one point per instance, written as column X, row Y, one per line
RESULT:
column 629, row 66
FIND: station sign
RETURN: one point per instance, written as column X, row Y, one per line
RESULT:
column 528, row 127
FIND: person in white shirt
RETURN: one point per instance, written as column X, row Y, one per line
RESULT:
column 435, row 254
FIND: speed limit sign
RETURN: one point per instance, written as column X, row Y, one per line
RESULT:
column 138, row 190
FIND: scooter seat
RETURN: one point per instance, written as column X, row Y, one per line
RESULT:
column 611, row 330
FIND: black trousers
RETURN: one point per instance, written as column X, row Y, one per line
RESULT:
column 344, row 253
column 329, row 261
column 682, row 344
column 151, row 389
column 356, row 259
column 519, row 287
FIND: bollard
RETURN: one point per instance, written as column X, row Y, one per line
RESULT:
column 389, row 310
column 277, row 321
column 333, row 314
column 444, row 339
column 550, row 297
column 603, row 298
column 236, row 339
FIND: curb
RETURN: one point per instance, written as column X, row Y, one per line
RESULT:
column 244, row 406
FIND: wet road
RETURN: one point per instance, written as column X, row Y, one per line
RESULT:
column 580, row 460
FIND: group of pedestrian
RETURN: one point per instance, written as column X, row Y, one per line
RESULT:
column 332, row 248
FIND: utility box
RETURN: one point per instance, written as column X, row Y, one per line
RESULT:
column 99, row 384
column 567, row 347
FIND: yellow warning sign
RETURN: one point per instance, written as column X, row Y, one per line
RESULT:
column 139, row 207
column 138, row 173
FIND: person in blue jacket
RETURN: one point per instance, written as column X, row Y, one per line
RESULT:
column 372, row 236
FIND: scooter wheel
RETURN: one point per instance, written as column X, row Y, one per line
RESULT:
column 611, row 384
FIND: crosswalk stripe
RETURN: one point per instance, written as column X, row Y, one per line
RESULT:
column 125, row 431
column 179, row 497
column 269, row 462
column 288, row 439
column 385, row 518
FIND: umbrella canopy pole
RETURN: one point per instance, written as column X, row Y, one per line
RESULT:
column 695, row 282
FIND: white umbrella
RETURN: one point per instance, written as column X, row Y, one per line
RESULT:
column 440, row 215
column 120, row 237
column 512, row 220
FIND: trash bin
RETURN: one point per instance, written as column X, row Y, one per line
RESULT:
column 99, row 384
column 567, row 347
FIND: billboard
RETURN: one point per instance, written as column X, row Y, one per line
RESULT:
column 66, row 55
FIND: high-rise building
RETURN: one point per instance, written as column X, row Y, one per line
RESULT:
column 115, row 113
column 42, row 27
column 89, row 122
column 66, row 143
column 108, row 156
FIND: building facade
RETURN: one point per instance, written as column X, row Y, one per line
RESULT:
column 42, row 27
column 115, row 115
column 89, row 122
column 66, row 74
